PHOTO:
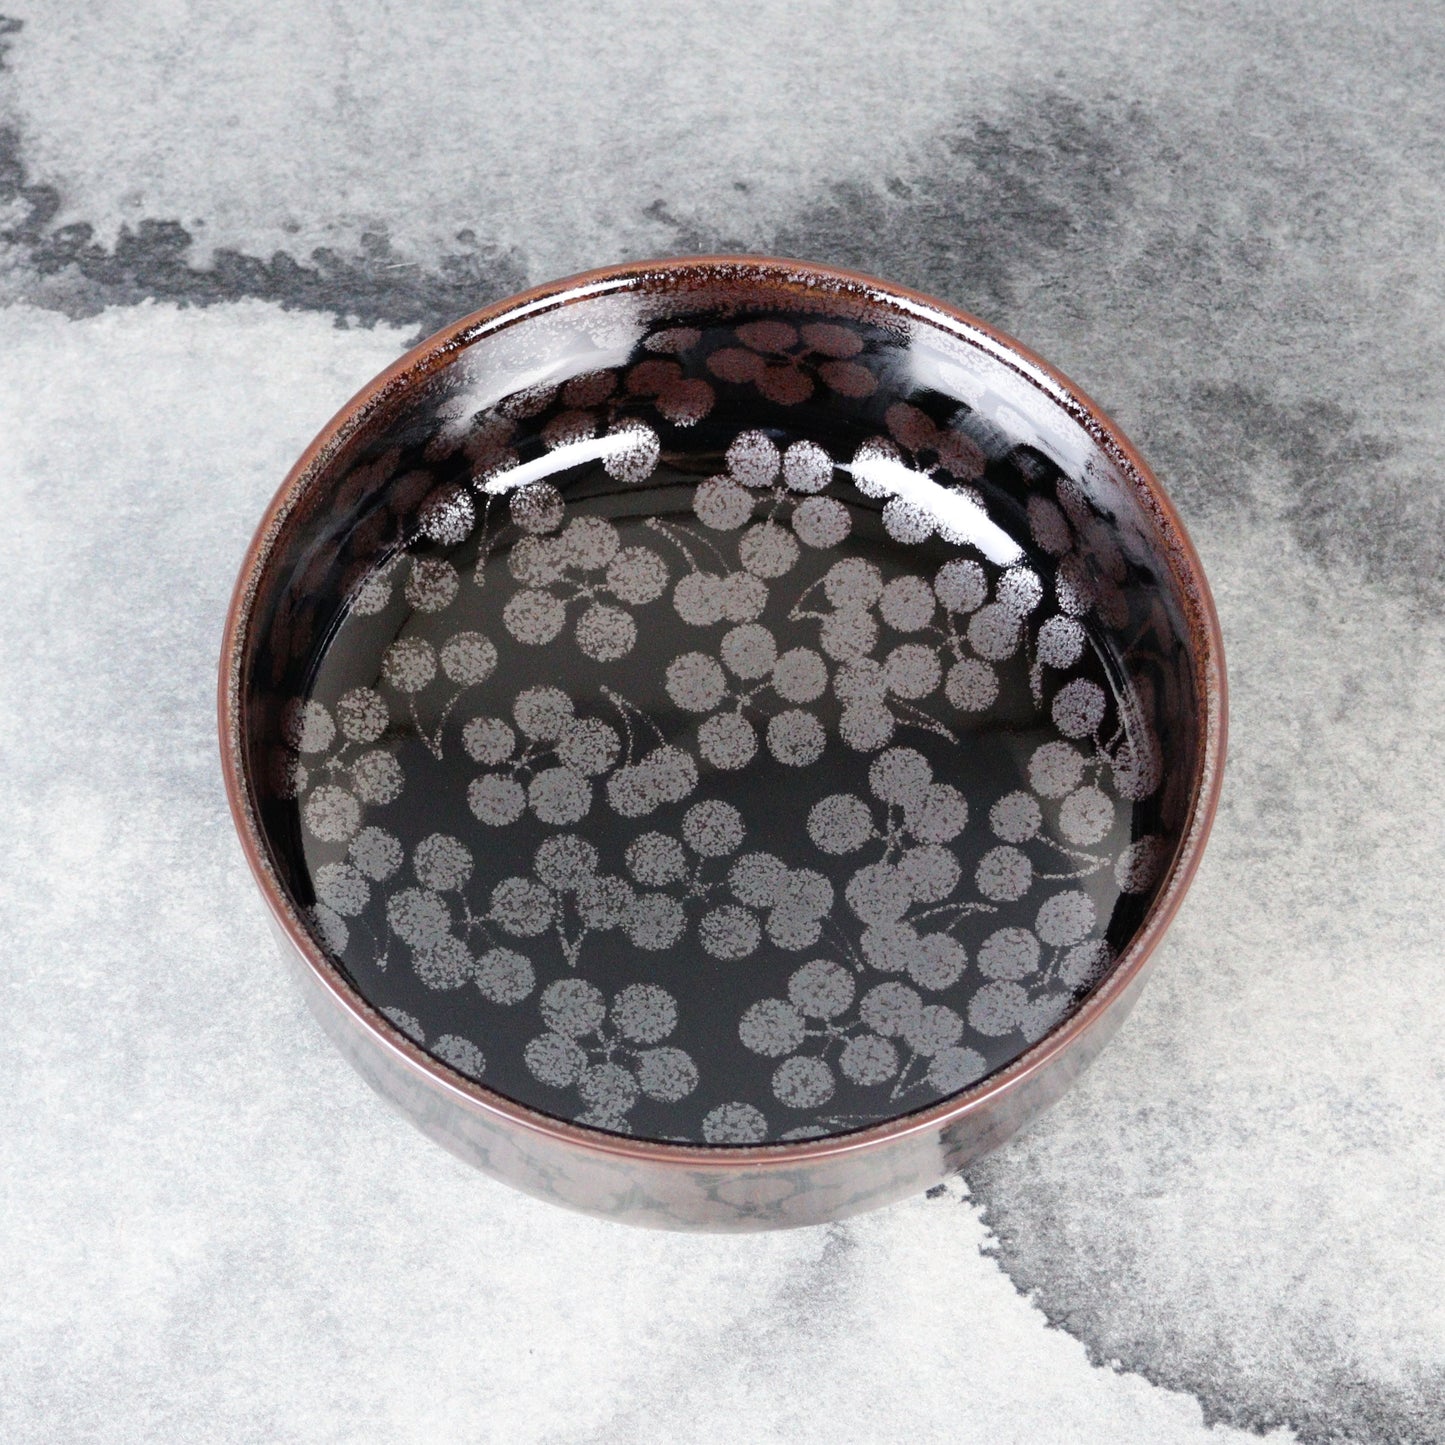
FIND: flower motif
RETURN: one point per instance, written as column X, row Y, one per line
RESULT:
column 1034, row 975
column 931, row 448
column 345, row 772
column 1069, row 776
column 411, row 669
column 876, row 693
column 408, row 1023
column 448, row 515
column 597, row 397
column 461, row 1053
column 665, row 775
column 1066, row 781
column 1140, row 864
column 585, row 563
column 1091, row 566
column 788, row 481
column 704, row 598
column 784, row 362
column 568, row 897
column 428, row 913
column 916, row 504
column 429, row 584
column 486, row 436
column 858, row 609
column 548, row 768
column 735, row 1123
column 723, row 691
column 610, row 1052
column 892, row 1036
column 343, row 889
column 767, row 897
column 911, row 883
column 705, row 595
column 1091, row 573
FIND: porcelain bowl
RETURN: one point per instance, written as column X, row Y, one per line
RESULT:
column 720, row 739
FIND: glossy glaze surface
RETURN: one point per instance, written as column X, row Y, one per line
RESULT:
column 723, row 709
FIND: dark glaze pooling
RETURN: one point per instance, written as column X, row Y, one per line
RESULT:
column 369, row 581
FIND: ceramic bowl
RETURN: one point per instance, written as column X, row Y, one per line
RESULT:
column 720, row 739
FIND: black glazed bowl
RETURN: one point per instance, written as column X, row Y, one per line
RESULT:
column 719, row 739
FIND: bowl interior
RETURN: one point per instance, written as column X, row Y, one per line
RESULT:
column 721, row 707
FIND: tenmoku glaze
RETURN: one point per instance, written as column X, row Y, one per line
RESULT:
column 719, row 739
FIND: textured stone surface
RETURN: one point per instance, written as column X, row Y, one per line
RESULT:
column 1226, row 225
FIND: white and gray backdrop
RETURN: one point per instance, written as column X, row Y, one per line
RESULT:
column 1226, row 221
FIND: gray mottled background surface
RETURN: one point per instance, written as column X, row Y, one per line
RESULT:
column 1226, row 221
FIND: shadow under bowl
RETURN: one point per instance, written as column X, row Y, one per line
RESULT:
column 720, row 739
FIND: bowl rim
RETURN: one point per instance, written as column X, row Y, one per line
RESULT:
column 440, row 349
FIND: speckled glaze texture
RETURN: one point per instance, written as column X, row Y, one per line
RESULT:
column 720, row 739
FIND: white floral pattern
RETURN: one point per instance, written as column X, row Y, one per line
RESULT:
column 843, row 633
column 610, row 1052
column 889, row 1035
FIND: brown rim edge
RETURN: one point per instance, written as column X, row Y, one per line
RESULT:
column 437, row 351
